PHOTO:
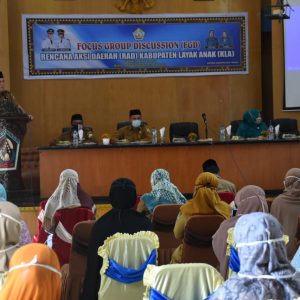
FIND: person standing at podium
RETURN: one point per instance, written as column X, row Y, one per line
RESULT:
column 8, row 103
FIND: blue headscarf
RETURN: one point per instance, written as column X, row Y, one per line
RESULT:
column 249, row 128
column 3, row 195
column 163, row 191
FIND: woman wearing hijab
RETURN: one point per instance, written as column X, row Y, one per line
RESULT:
column 249, row 199
column 25, row 237
column 121, row 218
column 65, row 196
column 286, row 207
column 265, row 271
column 205, row 201
column 10, row 218
column 252, row 125
column 163, row 192
column 33, row 275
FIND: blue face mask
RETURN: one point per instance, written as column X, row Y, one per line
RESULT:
column 136, row 123
column 258, row 120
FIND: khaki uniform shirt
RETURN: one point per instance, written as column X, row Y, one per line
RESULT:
column 68, row 136
column 225, row 185
column 134, row 134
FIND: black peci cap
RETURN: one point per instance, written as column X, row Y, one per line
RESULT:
column 211, row 166
column 1, row 75
column 133, row 112
column 76, row 117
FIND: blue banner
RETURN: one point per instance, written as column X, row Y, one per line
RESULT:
column 134, row 46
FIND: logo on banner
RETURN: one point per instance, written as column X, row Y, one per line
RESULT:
column 9, row 150
column 139, row 34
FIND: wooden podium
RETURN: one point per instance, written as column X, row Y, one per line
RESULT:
column 12, row 131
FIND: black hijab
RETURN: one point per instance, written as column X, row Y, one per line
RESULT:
column 122, row 218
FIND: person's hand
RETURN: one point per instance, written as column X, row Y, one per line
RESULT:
column 30, row 117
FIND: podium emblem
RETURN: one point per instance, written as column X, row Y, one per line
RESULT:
column 9, row 150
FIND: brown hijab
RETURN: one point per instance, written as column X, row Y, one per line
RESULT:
column 286, row 207
column 206, row 199
column 249, row 199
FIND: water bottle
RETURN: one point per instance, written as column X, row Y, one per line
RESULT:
column 222, row 134
column 271, row 132
column 75, row 139
column 154, row 136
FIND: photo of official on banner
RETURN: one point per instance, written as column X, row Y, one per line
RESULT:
column 105, row 46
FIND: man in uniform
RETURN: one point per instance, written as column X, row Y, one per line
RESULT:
column 136, row 131
column 48, row 43
column 211, row 166
column 63, row 44
column 76, row 125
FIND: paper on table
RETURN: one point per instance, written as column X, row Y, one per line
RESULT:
column 162, row 131
column 228, row 130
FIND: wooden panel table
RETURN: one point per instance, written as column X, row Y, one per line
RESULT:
column 262, row 163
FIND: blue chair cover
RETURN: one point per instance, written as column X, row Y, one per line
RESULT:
column 234, row 261
column 127, row 275
column 156, row 295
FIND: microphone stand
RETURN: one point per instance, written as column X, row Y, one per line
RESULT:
column 206, row 129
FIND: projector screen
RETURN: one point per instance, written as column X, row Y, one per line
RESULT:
column 292, row 58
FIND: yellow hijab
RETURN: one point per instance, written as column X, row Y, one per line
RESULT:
column 206, row 200
column 38, row 279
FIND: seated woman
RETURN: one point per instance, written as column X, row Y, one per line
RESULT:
column 65, row 196
column 286, row 207
column 205, row 201
column 163, row 192
column 265, row 271
column 249, row 199
column 34, row 273
column 10, row 218
column 63, row 211
column 252, row 125
column 122, row 218
column 25, row 237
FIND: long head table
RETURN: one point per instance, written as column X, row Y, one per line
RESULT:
column 263, row 163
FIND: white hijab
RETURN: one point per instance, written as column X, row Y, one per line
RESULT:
column 65, row 194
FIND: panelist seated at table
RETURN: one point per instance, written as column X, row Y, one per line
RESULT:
column 76, row 125
column 252, row 125
column 136, row 130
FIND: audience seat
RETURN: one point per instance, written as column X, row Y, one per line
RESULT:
column 289, row 126
column 182, row 130
column 73, row 272
column 65, row 220
column 41, row 235
column 163, row 221
column 197, row 241
column 181, row 281
column 128, row 251
column 227, row 197
column 234, row 126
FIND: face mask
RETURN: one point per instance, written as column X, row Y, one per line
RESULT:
column 136, row 123
column 258, row 120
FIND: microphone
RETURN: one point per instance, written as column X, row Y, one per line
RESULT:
column 204, row 118
column 205, row 122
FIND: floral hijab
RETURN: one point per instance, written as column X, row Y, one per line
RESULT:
column 163, row 191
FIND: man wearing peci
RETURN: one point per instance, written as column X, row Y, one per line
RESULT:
column 136, row 131
column 76, row 125
column 63, row 44
column 48, row 43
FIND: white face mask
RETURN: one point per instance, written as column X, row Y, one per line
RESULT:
column 136, row 123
